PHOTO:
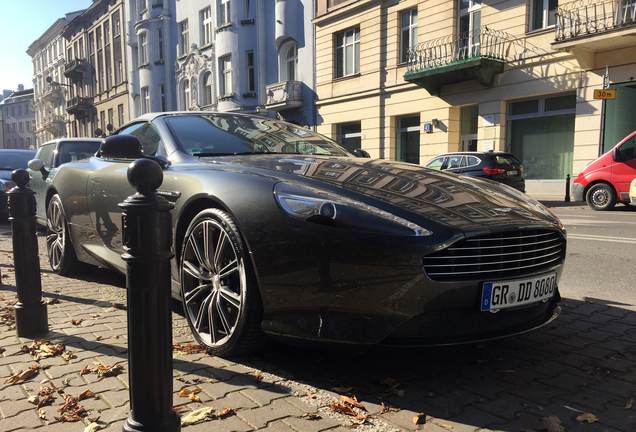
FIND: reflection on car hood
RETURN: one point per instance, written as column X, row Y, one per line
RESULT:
column 465, row 202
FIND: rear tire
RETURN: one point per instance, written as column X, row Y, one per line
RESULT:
column 221, row 299
column 62, row 256
column 601, row 196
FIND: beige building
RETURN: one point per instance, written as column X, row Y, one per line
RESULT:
column 407, row 80
column 96, row 70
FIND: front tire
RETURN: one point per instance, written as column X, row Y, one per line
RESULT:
column 601, row 196
column 62, row 256
column 218, row 288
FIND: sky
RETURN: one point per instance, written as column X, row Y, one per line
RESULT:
column 21, row 23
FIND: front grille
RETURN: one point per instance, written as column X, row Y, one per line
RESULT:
column 497, row 256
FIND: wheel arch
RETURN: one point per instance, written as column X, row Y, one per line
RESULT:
column 599, row 181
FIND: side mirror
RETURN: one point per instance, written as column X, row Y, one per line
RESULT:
column 121, row 147
column 361, row 153
column 38, row 165
column 615, row 155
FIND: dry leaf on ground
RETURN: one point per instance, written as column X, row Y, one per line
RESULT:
column 551, row 424
column 346, row 410
column 352, row 401
column 187, row 392
column 188, row 349
column 310, row 416
column 92, row 427
column 588, row 417
column 445, row 426
column 258, row 377
column 20, row 376
column 419, row 419
column 110, row 370
column 197, row 416
column 629, row 404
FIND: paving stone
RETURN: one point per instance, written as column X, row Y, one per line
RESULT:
column 235, row 400
column 267, row 395
column 27, row 419
column 228, row 424
column 259, row 417
column 307, row 425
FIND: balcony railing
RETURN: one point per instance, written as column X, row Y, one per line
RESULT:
column 586, row 17
column 53, row 124
column 78, row 106
column 480, row 43
column 51, row 94
column 74, row 69
column 284, row 95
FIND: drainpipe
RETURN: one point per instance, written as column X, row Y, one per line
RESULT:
column 262, row 56
column 168, row 60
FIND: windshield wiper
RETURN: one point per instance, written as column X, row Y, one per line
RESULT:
column 227, row 154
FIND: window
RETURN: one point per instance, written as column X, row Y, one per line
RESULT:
column 291, row 61
column 186, row 95
column 28, row 126
column 206, row 26
column 224, row 12
column 249, row 64
column 145, row 100
column 207, row 82
column 148, row 137
column 20, row 126
column 183, row 37
column 408, row 33
column 111, row 118
column 102, row 121
column 408, row 140
column 542, row 13
column 226, row 74
column 120, row 115
column 28, row 143
column 468, row 29
column 348, row 53
column 160, row 44
column 116, row 25
column 162, row 95
column 249, row 9
column 436, row 163
column 142, row 5
column 349, row 136
column 143, row 49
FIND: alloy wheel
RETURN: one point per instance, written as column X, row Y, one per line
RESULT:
column 55, row 235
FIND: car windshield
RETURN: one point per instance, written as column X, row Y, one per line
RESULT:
column 217, row 135
column 12, row 160
column 506, row 160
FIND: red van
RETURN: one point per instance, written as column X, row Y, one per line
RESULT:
column 605, row 180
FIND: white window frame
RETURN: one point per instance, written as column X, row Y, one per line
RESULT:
column 208, row 86
column 160, row 43
column 186, row 95
column 250, row 71
column 411, row 33
column 224, row 10
column 226, row 76
column 473, row 46
column 162, row 95
column 145, row 100
column 545, row 6
column 354, row 33
column 205, row 16
column 291, row 62
column 184, row 37
column 143, row 48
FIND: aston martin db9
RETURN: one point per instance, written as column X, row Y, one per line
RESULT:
column 280, row 232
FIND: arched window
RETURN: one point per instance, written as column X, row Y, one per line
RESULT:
column 288, row 61
column 207, row 82
column 186, row 95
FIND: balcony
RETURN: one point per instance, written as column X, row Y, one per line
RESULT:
column 54, row 124
column 78, row 106
column 585, row 27
column 51, row 94
column 284, row 95
column 477, row 55
column 74, row 69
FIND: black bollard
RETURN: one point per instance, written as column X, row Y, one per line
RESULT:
column 147, row 240
column 31, row 318
column 567, row 188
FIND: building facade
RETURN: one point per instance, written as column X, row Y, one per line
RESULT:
column 50, row 88
column 251, row 56
column 18, row 120
column 407, row 80
column 96, row 69
column 151, row 55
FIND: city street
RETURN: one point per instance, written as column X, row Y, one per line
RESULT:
column 578, row 373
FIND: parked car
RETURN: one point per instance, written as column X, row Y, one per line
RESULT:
column 502, row 167
column 52, row 154
column 605, row 181
column 632, row 192
column 10, row 160
column 279, row 231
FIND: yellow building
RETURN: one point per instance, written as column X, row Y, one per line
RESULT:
column 96, row 69
column 407, row 80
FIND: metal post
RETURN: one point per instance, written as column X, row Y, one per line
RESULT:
column 567, row 188
column 31, row 318
column 147, row 240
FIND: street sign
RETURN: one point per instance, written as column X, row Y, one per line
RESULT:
column 604, row 94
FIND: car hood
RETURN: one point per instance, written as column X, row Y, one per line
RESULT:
column 464, row 202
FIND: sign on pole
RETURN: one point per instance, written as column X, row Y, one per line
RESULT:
column 604, row 94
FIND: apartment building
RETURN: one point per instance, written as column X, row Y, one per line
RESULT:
column 96, row 70
column 251, row 56
column 17, row 120
column 407, row 80
column 50, row 88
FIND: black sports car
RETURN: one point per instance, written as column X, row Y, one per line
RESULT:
column 279, row 231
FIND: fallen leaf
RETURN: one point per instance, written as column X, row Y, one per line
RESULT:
column 115, row 336
column 258, row 377
column 94, row 315
column 68, row 418
column 551, row 424
column 197, row 416
column 179, row 409
column 92, row 427
column 419, row 419
column 45, row 401
column 52, row 301
column 99, row 338
column 588, row 417
column 186, row 392
column 33, row 399
column 445, row 426
column 85, row 395
column 346, row 410
column 86, row 370
column 629, row 404
column 42, row 414
column 77, row 322
column 540, row 408
column 194, row 398
column 311, row 396
column 352, row 401
column 310, row 416
column 110, row 370
column 23, row 375
column 226, row 411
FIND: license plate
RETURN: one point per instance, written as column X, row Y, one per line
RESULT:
column 514, row 172
column 507, row 294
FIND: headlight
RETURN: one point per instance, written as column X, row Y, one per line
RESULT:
column 7, row 184
column 331, row 209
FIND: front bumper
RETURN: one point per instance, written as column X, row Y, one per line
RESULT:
column 578, row 192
